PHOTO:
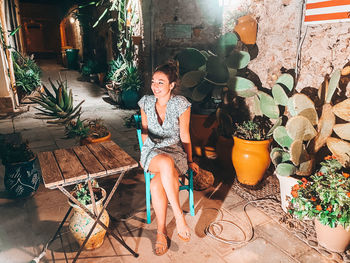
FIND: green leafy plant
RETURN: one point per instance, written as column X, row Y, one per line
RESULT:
column 254, row 130
column 82, row 194
column 58, row 105
column 16, row 153
column 27, row 72
column 116, row 70
column 326, row 196
column 86, row 128
column 131, row 79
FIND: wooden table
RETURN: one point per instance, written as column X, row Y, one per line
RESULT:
column 65, row 167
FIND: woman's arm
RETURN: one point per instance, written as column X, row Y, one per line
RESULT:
column 184, row 121
column 144, row 126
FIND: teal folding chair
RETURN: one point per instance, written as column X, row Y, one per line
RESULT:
column 149, row 176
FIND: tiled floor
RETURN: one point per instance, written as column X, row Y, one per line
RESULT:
column 26, row 225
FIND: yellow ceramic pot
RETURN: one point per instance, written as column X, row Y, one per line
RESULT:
column 246, row 28
column 250, row 160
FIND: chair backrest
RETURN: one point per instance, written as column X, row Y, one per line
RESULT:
column 138, row 123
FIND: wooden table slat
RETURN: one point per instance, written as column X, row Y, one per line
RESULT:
column 89, row 161
column 72, row 169
column 50, row 171
column 124, row 159
column 106, row 158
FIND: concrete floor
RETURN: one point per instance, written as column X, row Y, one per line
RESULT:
column 26, row 225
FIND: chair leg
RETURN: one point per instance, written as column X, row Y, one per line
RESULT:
column 148, row 197
column 190, row 192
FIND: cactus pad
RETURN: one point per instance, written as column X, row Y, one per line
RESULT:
column 285, row 169
column 276, row 155
column 226, row 43
column 298, row 153
column 286, row 80
column 279, row 95
column 202, row 90
column 325, row 126
column 306, row 168
column 342, row 110
column 268, row 106
column 281, row 136
column 238, row 60
column 299, row 102
column 342, row 130
column 333, row 84
column 242, row 87
column 310, row 114
column 217, row 71
column 300, row 128
column 190, row 59
column 192, row 78
column 340, row 149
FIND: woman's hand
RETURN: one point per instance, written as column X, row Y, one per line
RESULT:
column 194, row 167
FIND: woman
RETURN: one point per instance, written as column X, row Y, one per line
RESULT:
column 166, row 151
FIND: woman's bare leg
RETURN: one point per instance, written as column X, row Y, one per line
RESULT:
column 164, row 166
column 159, row 202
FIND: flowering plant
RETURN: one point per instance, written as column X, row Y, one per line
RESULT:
column 326, row 196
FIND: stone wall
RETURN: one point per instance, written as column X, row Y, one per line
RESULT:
column 325, row 47
column 205, row 14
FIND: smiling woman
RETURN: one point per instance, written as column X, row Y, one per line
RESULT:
column 166, row 150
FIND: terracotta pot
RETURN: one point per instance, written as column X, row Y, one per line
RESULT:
column 250, row 160
column 334, row 239
column 286, row 184
column 80, row 224
column 197, row 32
column 246, row 28
column 199, row 133
column 101, row 78
column 137, row 40
column 89, row 140
column 224, row 151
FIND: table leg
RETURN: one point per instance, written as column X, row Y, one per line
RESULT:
column 97, row 218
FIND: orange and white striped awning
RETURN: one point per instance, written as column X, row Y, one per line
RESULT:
column 327, row 11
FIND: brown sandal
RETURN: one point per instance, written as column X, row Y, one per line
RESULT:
column 161, row 247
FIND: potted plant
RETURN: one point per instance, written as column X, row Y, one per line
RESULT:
column 27, row 74
column 80, row 223
column 325, row 197
column 57, row 108
column 251, row 146
column 114, row 77
column 130, row 86
column 22, row 176
column 88, row 131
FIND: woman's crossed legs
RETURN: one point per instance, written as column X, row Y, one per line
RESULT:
column 164, row 187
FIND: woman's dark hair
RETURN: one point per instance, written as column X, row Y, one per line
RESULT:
column 171, row 70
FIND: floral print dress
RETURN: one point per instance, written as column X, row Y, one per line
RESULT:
column 164, row 138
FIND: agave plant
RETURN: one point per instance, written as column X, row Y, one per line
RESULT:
column 57, row 106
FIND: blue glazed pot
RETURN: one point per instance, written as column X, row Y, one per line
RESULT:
column 22, row 179
column 130, row 98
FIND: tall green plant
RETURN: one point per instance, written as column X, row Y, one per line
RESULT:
column 27, row 72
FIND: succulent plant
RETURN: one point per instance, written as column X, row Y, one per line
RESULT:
column 57, row 106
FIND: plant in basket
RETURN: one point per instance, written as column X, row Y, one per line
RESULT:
column 325, row 197
column 80, row 223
